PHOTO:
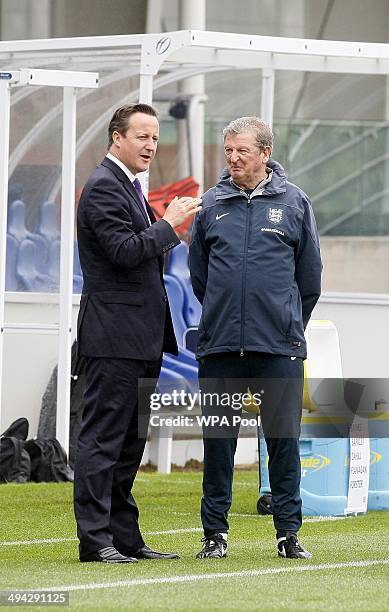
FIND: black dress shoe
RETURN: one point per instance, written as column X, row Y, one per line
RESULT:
column 106, row 555
column 148, row 553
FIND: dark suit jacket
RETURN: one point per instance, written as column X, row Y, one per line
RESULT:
column 124, row 311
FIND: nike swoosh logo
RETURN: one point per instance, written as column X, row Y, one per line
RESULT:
column 220, row 216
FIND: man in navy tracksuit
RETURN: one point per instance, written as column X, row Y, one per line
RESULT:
column 256, row 268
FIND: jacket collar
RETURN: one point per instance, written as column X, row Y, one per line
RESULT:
column 118, row 172
column 119, row 163
column 123, row 178
column 227, row 189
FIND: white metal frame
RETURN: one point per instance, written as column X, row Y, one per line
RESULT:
column 69, row 81
column 195, row 50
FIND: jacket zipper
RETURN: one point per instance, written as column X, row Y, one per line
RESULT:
column 243, row 309
column 289, row 321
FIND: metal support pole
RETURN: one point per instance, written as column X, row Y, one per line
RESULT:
column 183, row 165
column 164, row 452
column 195, row 121
column 146, row 96
column 267, row 98
column 192, row 15
column 66, row 268
column 146, row 88
column 5, row 101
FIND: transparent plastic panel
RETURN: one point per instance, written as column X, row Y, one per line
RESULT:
column 33, row 231
column 332, row 136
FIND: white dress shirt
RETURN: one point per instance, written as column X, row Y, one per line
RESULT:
column 128, row 173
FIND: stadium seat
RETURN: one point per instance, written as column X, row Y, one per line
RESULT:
column 192, row 307
column 76, row 260
column 176, row 300
column 26, row 270
column 48, row 223
column 177, row 266
column 185, row 370
column 15, row 192
column 78, row 283
column 54, row 263
column 17, row 221
column 17, row 228
column 160, row 198
column 170, row 381
column 53, row 268
column 77, row 272
column 191, row 338
column 175, row 294
column 11, row 282
column 42, row 252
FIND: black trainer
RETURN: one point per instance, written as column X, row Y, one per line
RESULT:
column 215, row 547
column 290, row 548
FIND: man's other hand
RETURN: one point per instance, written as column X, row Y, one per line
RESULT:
column 180, row 209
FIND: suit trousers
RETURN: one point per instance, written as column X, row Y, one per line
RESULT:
column 108, row 455
column 280, row 378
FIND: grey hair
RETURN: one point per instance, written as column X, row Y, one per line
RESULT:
column 254, row 125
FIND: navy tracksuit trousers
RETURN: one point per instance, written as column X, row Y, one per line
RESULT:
column 281, row 379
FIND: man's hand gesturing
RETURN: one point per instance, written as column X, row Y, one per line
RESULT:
column 180, row 209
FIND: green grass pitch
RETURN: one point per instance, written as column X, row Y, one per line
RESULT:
column 349, row 570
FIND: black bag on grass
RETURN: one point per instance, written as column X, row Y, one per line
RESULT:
column 265, row 504
column 47, row 418
column 18, row 429
column 15, row 465
column 48, row 461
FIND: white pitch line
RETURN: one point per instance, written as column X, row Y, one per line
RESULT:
column 173, row 531
column 245, row 484
column 42, row 541
column 59, row 540
column 313, row 519
column 241, row 514
column 319, row 519
column 198, row 577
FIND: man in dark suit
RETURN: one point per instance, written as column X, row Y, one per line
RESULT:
column 124, row 325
